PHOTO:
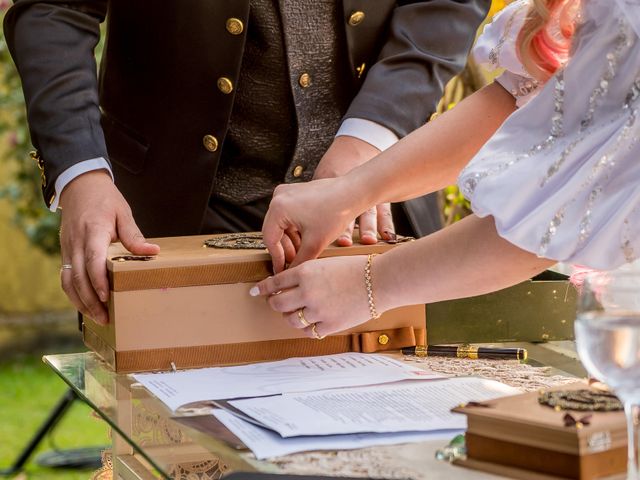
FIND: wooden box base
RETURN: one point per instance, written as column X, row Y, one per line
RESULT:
column 563, row 465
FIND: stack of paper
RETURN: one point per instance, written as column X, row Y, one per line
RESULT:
column 326, row 403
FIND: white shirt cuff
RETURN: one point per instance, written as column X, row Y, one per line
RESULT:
column 371, row 132
column 75, row 171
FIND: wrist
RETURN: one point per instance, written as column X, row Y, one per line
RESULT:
column 87, row 180
column 350, row 196
column 364, row 188
column 344, row 154
column 378, row 300
column 368, row 286
column 382, row 284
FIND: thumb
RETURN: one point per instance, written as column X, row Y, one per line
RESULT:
column 132, row 238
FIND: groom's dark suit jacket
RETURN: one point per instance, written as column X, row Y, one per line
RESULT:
column 155, row 98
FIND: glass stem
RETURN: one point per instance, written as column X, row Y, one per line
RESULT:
column 633, row 466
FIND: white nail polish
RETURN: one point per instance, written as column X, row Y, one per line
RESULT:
column 254, row 292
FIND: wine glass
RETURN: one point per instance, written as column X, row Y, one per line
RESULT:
column 608, row 341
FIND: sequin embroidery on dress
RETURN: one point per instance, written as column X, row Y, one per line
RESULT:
column 612, row 58
column 469, row 185
column 599, row 176
column 494, row 54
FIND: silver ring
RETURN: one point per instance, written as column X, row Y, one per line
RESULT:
column 305, row 323
column 66, row 266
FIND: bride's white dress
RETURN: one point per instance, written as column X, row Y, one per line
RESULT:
column 561, row 176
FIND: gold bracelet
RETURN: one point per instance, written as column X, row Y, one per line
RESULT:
column 368, row 284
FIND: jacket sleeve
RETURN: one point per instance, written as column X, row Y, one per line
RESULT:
column 52, row 43
column 428, row 44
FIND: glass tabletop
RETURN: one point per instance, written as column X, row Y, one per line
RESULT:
column 153, row 442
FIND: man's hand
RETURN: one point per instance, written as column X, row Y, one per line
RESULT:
column 344, row 154
column 94, row 214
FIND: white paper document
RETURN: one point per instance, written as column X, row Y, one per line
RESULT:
column 179, row 389
column 399, row 407
column 266, row 444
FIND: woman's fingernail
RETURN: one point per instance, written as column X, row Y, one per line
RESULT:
column 103, row 296
column 255, row 291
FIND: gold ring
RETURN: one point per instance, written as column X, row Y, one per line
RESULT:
column 305, row 323
column 316, row 335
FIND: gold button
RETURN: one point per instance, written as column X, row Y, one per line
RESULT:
column 297, row 172
column 225, row 85
column 305, row 80
column 210, row 143
column 356, row 18
column 383, row 339
column 235, row 26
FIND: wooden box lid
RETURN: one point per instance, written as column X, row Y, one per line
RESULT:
column 187, row 261
column 521, row 419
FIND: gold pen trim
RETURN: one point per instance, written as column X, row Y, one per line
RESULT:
column 420, row 351
column 467, row 351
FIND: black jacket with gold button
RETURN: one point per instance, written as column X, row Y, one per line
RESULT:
column 156, row 101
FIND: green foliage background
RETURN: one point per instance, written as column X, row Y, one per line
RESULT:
column 28, row 390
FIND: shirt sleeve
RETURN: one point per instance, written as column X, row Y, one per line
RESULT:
column 74, row 172
column 373, row 133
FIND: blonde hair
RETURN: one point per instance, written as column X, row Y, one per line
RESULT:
column 544, row 42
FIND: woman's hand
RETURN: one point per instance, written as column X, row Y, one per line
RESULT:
column 304, row 218
column 456, row 262
column 330, row 292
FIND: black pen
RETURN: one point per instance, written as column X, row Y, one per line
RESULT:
column 466, row 351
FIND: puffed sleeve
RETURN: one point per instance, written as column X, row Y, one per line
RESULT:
column 561, row 177
column 496, row 50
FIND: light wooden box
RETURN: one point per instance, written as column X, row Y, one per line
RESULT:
column 190, row 307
